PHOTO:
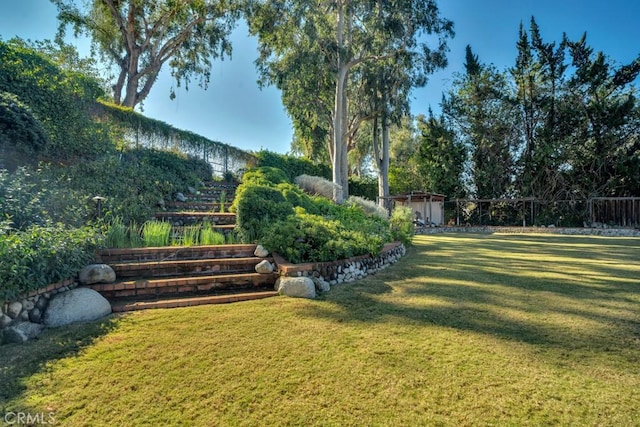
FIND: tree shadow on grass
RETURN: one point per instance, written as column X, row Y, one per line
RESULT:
column 18, row 362
column 478, row 292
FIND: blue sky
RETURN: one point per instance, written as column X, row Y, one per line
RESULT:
column 235, row 111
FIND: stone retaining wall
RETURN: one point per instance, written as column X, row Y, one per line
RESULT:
column 608, row 232
column 342, row 271
column 31, row 308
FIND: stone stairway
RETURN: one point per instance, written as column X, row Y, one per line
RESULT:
column 182, row 276
column 206, row 205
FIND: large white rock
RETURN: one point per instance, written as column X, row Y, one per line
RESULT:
column 264, row 267
column 97, row 273
column 76, row 305
column 22, row 332
column 299, row 287
column 261, row 252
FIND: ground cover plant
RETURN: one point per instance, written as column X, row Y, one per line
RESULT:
column 464, row 330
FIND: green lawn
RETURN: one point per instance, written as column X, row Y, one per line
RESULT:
column 465, row 330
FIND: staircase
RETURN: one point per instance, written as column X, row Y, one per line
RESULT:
column 182, row 276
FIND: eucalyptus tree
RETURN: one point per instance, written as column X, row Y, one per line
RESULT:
column 137, row 37
column 342, row 36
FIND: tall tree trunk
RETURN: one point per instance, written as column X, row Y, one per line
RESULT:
column 339, row 121
column 383, row 170
column 339, row 148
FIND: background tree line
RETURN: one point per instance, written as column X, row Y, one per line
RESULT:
column 560, row 124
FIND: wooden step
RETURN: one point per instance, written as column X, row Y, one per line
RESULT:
column 199, row 206
column 108, row 256
column 192, row 285
column 124, row 305
column 184, row 267
column 214, row 217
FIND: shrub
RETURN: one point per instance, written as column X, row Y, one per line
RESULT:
column 257, row 206
column 304, row 228
column 293, row 166
column 38, row 256
column 59, row 99
column 365, row 187
column 316, row 185
column 401, row 221
column 304, row 237
column 36, row 197
column 264, row 176
column 369, row 207
column 21, row 134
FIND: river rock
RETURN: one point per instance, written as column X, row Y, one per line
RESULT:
column 264, row 267
column 299, row 287
column 77, row 305
column 14, row 309
column 97, row 273
column 261, row 252
column 22, row 332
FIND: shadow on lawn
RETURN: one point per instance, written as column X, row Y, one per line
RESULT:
column 18, row 362
column 461, row 283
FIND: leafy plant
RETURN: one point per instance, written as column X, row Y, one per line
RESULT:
column 293, row 166
column 401, row 222
column 38, row 256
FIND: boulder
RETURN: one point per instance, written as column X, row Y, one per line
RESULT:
column 5, row 321
column 77, row 305
column 22, row 332
column 14, row 309
column 97, row 273
column 35, row 315
column 192, row 190
column 321, row 284
column 261, row 252
column 180, row 197
column 264, row 267
column 299, row 287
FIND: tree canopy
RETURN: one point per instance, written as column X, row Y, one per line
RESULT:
column 137, row 37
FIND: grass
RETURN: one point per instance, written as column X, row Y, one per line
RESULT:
column 464, row 330
column 156, row 233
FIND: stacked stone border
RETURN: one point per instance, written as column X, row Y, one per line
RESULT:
column 32, row 307
column 606, row 232
column 345, row 270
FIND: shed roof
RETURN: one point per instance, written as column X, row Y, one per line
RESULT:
column 418, row 196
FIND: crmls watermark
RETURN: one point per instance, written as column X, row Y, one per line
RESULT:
column 29, row 419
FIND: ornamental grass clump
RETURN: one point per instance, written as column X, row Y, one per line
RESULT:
column 191, row 235
column 209, row 236
column 369, row 207
column 156, row 233
column 316, row 185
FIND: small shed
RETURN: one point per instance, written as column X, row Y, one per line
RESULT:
column 428, row 207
